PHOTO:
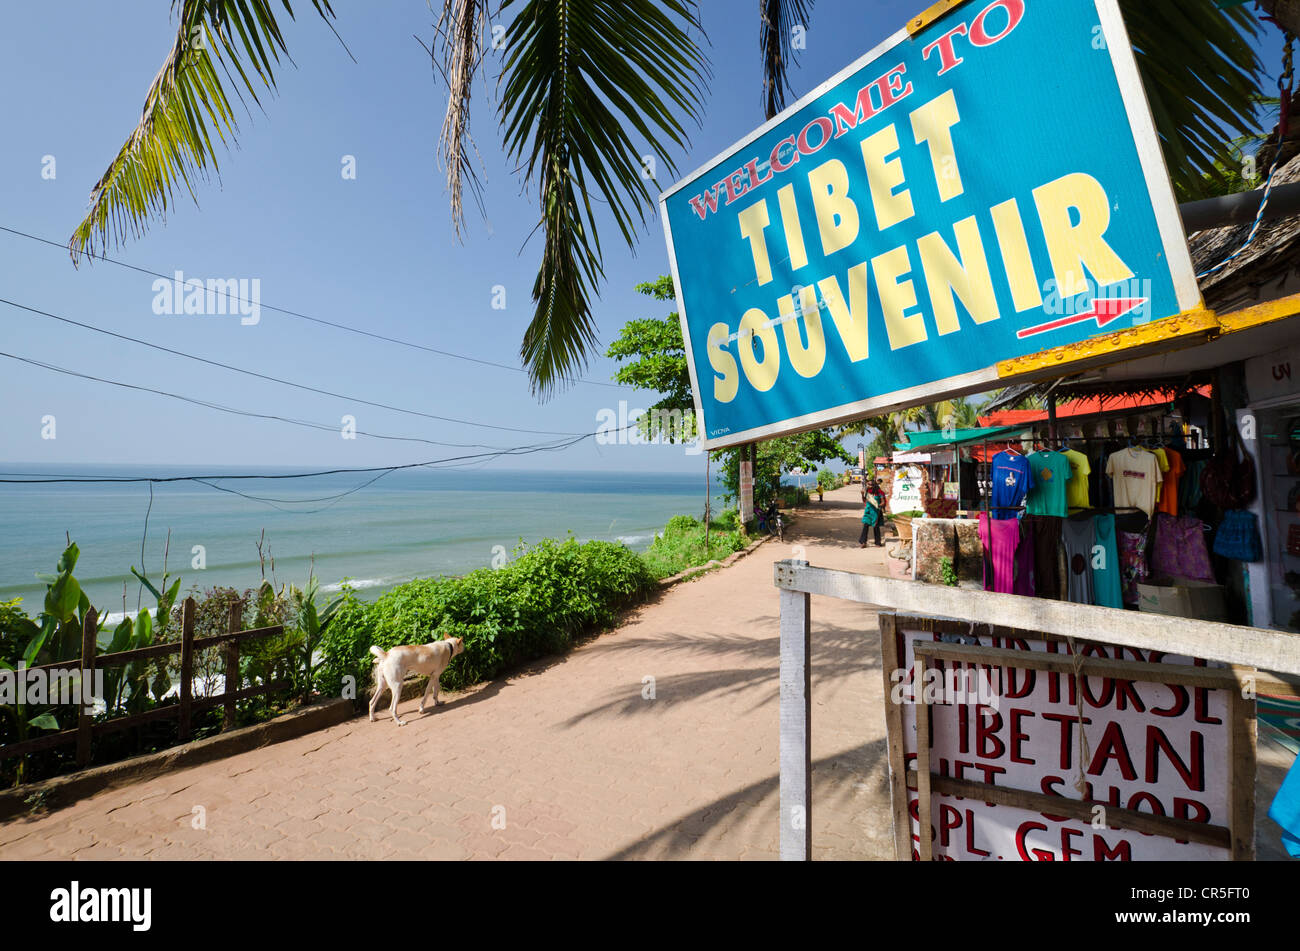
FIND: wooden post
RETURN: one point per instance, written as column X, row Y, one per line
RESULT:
column 85, row 716
column 1242, row 739
column 1051, row 420
column 925, row 848
column 796, row 725
column 890, row 662
column 233, row 623
column 187, row 666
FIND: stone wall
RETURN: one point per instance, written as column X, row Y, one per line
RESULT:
column 956, row 538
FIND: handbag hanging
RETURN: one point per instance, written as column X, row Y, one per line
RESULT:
column 1228, row 479
column 1238, row 536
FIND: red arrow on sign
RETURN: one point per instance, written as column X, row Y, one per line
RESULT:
column 1104, row 310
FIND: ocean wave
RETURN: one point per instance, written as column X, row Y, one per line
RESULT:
column 634, row 539
column 114, row 618
column 359, row 583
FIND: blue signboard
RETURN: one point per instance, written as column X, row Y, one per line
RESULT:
column 986, row 188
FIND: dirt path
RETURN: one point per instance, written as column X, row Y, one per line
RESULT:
column 566, row 759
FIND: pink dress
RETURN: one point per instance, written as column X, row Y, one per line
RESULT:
column 1001, row 541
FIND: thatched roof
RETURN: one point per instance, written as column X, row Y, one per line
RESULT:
column 1272, row 259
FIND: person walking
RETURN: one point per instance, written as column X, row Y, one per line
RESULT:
column 873, row 512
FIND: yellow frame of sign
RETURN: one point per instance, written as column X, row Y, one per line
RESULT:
column 1182, row 330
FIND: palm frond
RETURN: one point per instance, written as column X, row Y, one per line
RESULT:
column 778, row 18
column 185, row 106
column 1201, row 75
column 462, row 29
column 581, row 77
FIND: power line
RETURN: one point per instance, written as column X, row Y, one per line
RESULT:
column 324, row 427
column 316, row 320
column 272, row 379
column 42, row 478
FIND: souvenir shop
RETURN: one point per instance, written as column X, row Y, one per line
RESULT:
column 950, row 467
column 1112, row 509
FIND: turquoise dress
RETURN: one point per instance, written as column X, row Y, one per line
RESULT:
column 1106, row 590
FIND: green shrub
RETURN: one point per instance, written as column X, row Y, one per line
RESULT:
column 347, row 638
column 531, row 607
column 681, row 545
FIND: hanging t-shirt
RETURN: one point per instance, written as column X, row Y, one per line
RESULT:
column 1162, row 460
column 1134, row 473
column 1077, row 534
column 1169, row 487
column 1106, row 588
column 1052, row 473
column 1076, row 495
column 1012, row 478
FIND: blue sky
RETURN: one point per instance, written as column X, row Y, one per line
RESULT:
column 376, row 252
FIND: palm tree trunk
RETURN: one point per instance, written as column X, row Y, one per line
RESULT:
column 1286, row 12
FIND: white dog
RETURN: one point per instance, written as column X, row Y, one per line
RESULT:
column 392, row 666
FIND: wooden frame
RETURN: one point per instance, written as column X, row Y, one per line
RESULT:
column 1238, row 837
column 986, row 614
column 86, row 729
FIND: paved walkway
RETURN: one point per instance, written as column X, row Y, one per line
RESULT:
column 563, row 760
column 567, row 759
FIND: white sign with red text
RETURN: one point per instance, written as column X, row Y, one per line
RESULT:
column 1150, row 747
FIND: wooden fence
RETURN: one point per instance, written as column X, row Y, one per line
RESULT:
column 87, row 729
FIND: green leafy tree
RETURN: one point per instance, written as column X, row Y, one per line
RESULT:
column 654, row 345
column 805, row 451
column 579, row 79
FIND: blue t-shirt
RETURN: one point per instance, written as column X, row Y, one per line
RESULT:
column 1012, row 478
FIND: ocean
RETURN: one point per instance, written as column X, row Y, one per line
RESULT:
column 414, row 523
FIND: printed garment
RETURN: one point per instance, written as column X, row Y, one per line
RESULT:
column 1012, row 478
column 1046, row 530
column 1179, row 549
column 1106, row 586
column 1077, row 487
column 1052, row 473
column 1134, row 473
column 1132, row 564
column 1077, row 535
column 1169, row 487
column 1001, row 541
